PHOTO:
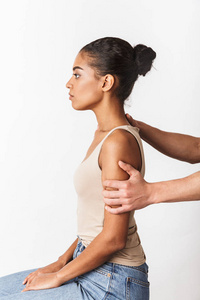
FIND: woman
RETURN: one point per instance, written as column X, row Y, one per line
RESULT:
column 107, row 260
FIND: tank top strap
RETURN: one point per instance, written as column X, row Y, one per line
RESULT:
column 135, row 132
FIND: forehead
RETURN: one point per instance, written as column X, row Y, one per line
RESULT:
column 82, row 61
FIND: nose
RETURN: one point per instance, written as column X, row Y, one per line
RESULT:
column 68, row 84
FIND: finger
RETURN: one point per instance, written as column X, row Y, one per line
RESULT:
column 113, row 201
column 115, row 211
column 28, row 278
column 111, row 194
column 112, row 183
column 130, row 119
column 127, row 168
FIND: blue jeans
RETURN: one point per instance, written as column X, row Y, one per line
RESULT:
column 110, row 281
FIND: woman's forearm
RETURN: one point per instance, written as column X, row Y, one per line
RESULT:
column 184, row 189
column 179, row 146
column 96, row 253
column 68, row 255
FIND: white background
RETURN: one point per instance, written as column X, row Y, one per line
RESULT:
column 43, row 139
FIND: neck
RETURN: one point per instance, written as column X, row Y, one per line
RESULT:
column 110, row 114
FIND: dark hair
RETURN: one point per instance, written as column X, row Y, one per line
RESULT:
column 117, row 57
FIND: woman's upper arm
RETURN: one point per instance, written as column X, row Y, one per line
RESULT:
column 120, row 145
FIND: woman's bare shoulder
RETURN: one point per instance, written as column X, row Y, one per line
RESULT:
column 121, row 145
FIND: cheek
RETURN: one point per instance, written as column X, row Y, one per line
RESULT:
column 87, row 101
column 86, row 96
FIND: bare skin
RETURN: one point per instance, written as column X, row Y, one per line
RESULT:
column 179, row 146
column 54, row 267
column 89, row 92
column 136, row 193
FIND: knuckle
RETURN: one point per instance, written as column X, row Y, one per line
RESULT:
column 125, row 185
column 125, row 194
column 128, row 185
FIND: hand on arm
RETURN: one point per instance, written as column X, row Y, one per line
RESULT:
column 179, row 146
column 136, row 193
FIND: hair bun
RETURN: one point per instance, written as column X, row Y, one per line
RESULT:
column 143, row 57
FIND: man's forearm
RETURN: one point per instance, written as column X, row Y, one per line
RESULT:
column 176, row 145
column 179, row 190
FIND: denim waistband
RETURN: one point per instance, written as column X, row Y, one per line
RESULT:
column 114, row 267
column 80, row 245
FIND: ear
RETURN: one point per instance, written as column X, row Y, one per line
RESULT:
column 108, row 82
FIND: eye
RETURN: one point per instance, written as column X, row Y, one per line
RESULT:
column 76, row 75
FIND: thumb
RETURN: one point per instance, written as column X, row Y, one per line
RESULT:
column 127, row 168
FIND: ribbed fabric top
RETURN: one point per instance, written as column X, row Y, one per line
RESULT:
column 90, row 208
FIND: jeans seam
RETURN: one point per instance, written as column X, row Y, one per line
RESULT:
column 140, row 269
column 133, row 267
column 101, row 271
column 145, row 284
column 110, row 283
column 127, row 290
column 109, row 288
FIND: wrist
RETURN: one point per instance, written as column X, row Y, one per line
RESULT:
column 59, row 279
column 160, row 192
column 154, row 195
column 141, row 127
column 62, row 275
column 61, row 262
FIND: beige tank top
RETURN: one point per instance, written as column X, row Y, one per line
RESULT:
column 90, row 208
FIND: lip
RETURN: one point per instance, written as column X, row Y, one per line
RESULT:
column 70, row 96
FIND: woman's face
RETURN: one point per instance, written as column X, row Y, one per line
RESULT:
column 85, row 89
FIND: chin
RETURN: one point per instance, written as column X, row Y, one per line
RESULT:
column 79, row 107
column 76, row 107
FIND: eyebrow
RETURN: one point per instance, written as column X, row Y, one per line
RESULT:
column 77, row 67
